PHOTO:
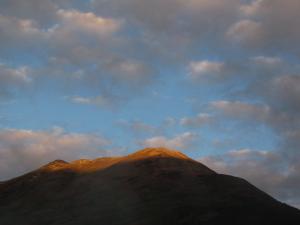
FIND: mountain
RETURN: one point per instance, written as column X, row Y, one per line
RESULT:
column 154, row 186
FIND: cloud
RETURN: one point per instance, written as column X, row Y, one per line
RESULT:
column 81, row 38
column 264, row 28
column 71, row 29
column 13, row 79
column 24, row 150
column 241, row 110
column 131, row 72
column 265, row 67
column 283, row 94
column 86, row 23
column 43, row 11
column 282, row 122
column 82, row 49
column 198, row 121
column 219, row 71
column 92, row 47
column 286, row 91
column 9, row 75
column 247, row 32
column 182, row 141
column 205, row 68
column 19, row 34
column 101, row 101
column 277, row 178
column 169, row 27
column 166, row 11
column 97, row 42
column 268, row 61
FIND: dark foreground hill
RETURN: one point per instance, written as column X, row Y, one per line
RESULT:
column 152, row 186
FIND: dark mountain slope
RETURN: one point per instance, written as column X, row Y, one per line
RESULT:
column 152, row 186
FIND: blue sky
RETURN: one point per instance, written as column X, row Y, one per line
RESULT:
column 217, row 80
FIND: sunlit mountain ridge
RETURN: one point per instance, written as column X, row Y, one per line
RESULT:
column 151, row 186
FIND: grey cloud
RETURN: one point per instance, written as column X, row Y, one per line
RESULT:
column 42, row 11
column 281, row 93
column 175, row 25
column 281, row 121
column 20, row 34
column 273, row 24
column 285, row 90
column 214, row 25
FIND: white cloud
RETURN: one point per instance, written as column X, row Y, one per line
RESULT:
column 102, row 101
column 181, row 141
column 74, row 21
column 267, row 61
column 198, row 69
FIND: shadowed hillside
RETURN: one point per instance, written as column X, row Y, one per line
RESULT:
column 151, row 186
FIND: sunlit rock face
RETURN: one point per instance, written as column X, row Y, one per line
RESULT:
column 151, row 186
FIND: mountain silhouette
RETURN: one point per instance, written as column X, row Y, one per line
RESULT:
column 154, row 186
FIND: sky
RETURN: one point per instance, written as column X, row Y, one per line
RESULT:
column 217, row 80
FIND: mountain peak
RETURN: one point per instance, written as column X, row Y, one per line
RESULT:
column 163, row 158
column 152, row 186
column 158, row 152
column 56, row 164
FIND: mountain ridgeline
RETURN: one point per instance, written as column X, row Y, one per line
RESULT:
column 154, row 186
